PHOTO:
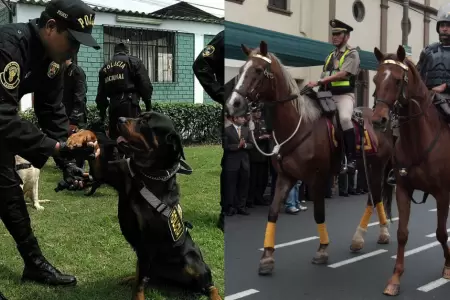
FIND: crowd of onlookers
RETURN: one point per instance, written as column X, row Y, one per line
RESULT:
column 250, row 178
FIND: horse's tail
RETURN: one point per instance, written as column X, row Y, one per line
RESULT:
column 387, row 191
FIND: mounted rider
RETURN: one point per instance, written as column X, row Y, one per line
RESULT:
column 339, row 77
column 434, row 67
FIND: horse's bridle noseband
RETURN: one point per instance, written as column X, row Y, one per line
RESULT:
column 254, row 96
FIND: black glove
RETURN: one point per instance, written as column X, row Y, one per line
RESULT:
column 86, row 152
column 72, row 173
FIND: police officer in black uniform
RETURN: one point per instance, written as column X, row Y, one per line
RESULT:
column 30, row 58
column 74, row 98
column 208, row 67
column 434, row 67
column 123, row 80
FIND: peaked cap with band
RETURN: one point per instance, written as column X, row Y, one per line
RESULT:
column 339, row 26
column 77, row 16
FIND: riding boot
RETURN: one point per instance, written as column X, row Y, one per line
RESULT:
column 391, row 179
column 14, row 214
column 350, row 149
column 2, row 297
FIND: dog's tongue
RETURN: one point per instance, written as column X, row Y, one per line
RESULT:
column 121, row 139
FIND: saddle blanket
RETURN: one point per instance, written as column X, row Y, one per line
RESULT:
column 369, row 146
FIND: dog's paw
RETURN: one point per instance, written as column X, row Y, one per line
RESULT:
column 39, row 207
column 81, row 138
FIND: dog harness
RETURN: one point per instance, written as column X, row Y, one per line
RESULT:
column 174, row 214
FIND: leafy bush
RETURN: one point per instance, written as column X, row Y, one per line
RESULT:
column 197, row 123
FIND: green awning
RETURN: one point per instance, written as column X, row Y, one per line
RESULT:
column 292, row 50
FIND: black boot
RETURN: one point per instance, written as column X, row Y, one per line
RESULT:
column 391, row 178
column 350, row 149
column 2, row 297
column 38, row 269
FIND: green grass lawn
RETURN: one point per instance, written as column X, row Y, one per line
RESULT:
column 81, row 236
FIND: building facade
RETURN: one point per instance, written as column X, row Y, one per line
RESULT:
column 167, row 41
column 376, row 23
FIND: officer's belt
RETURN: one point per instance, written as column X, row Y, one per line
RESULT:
column 23, row 166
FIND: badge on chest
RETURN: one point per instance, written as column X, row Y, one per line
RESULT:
column 53, row 70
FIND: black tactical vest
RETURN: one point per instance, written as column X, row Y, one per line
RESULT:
column 118, row 76
column 437, row 66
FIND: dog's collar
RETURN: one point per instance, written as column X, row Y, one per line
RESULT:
column 163, row 175
column 23, row 166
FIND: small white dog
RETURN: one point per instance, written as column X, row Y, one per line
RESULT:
column 30, row 178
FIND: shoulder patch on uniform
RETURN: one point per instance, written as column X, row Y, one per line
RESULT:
column 208, row 50
column 53, row 69
column 10, row 77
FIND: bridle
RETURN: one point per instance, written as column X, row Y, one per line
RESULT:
column 254, row 95
column 401, row 96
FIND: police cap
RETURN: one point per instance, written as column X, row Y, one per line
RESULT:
column 77, row 16
column 339, row 26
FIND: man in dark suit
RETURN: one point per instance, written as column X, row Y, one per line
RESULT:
column 259, row 163
column 236, row 166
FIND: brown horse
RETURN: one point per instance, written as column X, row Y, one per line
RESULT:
column 308, row 151
column 421, row 159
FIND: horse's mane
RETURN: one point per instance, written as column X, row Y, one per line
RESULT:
column 305, row 107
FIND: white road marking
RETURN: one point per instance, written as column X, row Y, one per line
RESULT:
column 241, row 294
column 433, row 285
column 376, row 223
column 434, row 234
column 294, row 242
column 358, row 258
column 419, row 249
column 434, row 209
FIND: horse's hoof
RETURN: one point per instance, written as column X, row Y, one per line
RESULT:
column 356, row 246
column 383, row 239
column 266, row 266
column 320, row 258
column 446, row 273
column 392, row 289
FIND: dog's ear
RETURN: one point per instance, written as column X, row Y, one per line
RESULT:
column 174, row 139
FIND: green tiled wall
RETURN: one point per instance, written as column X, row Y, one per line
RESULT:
column 182, row 90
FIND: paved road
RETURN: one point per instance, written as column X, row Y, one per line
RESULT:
column 295, row 277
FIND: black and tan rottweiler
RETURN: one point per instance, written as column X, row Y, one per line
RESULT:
column 149, row 212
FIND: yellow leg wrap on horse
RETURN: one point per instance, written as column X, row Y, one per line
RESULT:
column 366, row 217
column 381, row 213
column 323, row 234
column 269, row 239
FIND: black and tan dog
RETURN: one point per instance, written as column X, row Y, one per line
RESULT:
column 150, row 215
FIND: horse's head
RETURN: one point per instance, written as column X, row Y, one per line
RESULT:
column 392, row 84
column 254, row 80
